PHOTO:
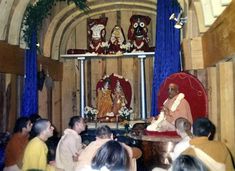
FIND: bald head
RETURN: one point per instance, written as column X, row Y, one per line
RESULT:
column 40, row 126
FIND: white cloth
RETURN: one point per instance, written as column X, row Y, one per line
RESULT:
column 180, row 147
column 69, row 145
column 12, row 168
column 208, row 160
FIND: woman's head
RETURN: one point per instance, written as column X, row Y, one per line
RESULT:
column 113, row 156
column 188, row 163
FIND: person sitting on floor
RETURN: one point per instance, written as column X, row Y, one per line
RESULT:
column 17, row 144
column 213, row 154
column 103, row 135
column 70, row 145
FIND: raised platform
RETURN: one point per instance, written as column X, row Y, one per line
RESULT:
column 112, row 125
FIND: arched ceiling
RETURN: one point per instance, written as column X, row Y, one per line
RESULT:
column 62, row 22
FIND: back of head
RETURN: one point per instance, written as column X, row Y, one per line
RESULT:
column 103, row 132
column 40, row 125
column 73, row 120
column 113, row 156
column 183, row 126
column 20, row 124
column 188, row 163
column 202, row 127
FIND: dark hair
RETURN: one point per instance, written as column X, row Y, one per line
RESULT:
column 203, row 127
column 73, row 120
column 103, row 131
column 112, row 155
column 20, row 124
column 188, row 163
column 39, row 126
column 183, row 125
column 34, row 118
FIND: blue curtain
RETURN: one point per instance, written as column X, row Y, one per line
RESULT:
column 29, row 104
column 167, row 51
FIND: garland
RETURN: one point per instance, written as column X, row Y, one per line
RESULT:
column 35, row 13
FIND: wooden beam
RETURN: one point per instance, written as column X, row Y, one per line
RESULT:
column 12, row 61
column 219, row 41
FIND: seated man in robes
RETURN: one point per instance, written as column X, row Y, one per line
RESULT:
column 175, row 106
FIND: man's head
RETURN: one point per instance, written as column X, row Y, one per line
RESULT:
column 183, row 126
column 104, row 132
column 173, row 90
column 77, row 123
column 23, row 124
column 43, row 129
column 203, row 127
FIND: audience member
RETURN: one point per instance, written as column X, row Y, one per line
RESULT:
column 112, row 156
column 213, row 154
column 17, row 144
column 33, row 118
column 35, row 155
column 183, row 129
column 188, row 163
column 70, row 144
column 103, row 135
column 175, row 106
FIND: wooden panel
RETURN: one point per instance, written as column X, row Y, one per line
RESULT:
column 68, row 88
column 227, row 104
column 193, row 53
column 56, row 106
column 11, row 102
column 42, row 102
column 12, row 61
column 213, row 108
column 219, row 41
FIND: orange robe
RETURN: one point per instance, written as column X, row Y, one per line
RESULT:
column 104, row 103
column 15, row 149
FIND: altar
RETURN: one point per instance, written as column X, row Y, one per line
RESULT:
column 140, row 56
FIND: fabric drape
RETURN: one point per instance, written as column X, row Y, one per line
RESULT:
column 29, row 103
column 167, row 51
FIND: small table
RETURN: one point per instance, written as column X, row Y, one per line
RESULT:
column 156, row 150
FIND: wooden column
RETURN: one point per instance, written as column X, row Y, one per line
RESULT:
column 213, row 108
column 227, row 105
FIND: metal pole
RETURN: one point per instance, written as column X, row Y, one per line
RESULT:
column 142, row 86
column 82, row 86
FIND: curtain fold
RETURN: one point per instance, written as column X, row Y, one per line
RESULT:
column 167, row 51
column 29, row 103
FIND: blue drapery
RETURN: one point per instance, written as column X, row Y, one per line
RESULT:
column 29, row 104
column 167, row 51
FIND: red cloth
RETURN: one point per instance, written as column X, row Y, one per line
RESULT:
column 15, row 149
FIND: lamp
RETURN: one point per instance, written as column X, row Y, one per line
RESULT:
column 179, row 19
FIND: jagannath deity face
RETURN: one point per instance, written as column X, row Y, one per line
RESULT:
column 98, row 31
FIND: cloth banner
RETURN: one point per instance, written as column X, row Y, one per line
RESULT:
column 167, row 51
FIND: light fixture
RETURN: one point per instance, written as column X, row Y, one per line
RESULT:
column 179, row 19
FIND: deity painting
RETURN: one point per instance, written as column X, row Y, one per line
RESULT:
column 138, row 32
column 116, row 40
column 96, row 34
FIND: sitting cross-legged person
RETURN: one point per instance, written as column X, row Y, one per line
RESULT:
column 213, row 154
column 103, row 135
column 175, row 106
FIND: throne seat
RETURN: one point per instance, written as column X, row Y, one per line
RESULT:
column 194, row 93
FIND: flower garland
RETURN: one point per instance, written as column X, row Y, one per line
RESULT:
column 36, row 12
